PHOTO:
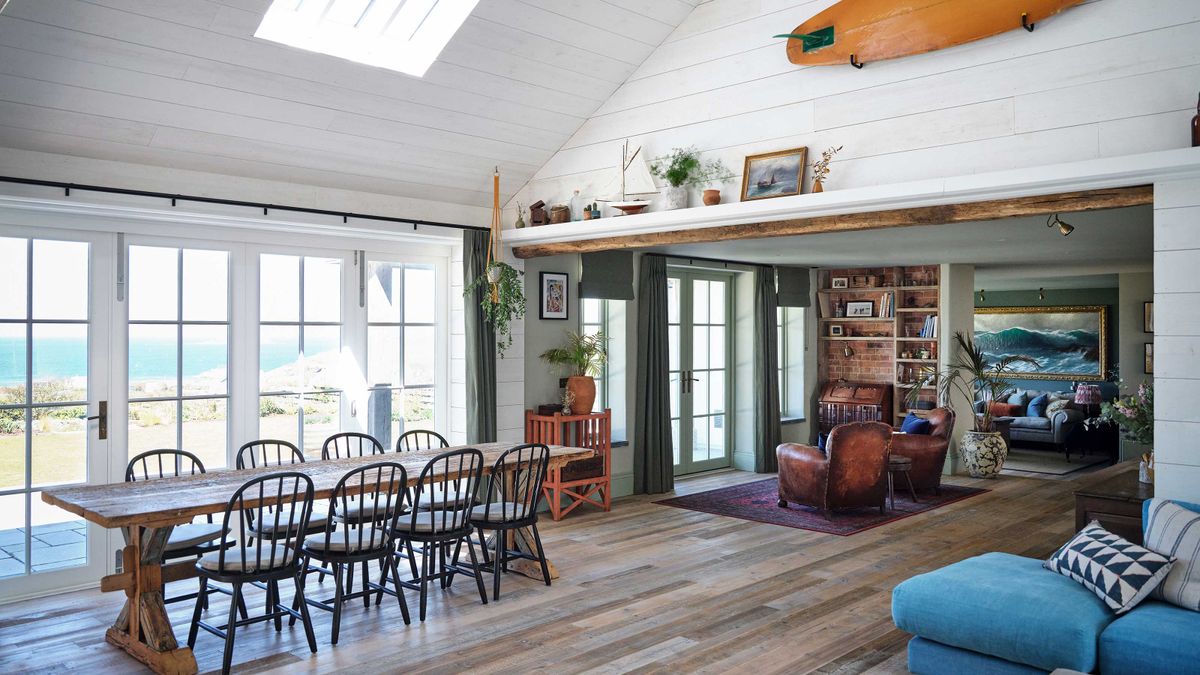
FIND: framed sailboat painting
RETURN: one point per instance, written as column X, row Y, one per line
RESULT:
column 773, row 174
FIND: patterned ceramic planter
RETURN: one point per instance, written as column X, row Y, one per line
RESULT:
column 983, row 453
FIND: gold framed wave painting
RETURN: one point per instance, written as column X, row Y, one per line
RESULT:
column 773, row 174
column 1068, row 342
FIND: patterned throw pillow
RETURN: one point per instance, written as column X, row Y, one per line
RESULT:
column 1057, row 405
column 1174, row 531
column 1120, row 572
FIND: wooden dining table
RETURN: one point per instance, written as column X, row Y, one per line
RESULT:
column 147, row 511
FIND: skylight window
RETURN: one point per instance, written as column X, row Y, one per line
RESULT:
column 401, row 35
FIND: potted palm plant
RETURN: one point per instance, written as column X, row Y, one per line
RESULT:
column 582, row 357
column 982, row 449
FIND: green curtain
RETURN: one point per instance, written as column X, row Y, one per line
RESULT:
column 653, row 459
column 481, row 343
column 767, row 432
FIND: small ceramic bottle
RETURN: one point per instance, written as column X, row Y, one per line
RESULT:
column 1196, row 127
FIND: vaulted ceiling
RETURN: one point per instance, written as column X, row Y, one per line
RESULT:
column 184, row 84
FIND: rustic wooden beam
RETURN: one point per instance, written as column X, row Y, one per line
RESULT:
column 996, row 209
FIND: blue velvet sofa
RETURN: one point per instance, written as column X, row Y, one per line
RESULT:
column 1000, row 613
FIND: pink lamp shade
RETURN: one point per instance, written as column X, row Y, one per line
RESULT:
column 1087, row 394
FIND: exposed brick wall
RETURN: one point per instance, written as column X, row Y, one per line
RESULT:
column 875, row 361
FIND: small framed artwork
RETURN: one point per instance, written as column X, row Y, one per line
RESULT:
column 835, row 331
column 1148, row 317
column 839, row 282
column 553, row 295
column 860, row 308
column 1149, row 366
column 773, row 174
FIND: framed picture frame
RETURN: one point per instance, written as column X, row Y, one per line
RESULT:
column 839, row 282
column 552, row 296
column 835, row 330
column 860, row 309
column 1148, row 317
column 773, row 174
column 1069, row 342
column 1148, row 366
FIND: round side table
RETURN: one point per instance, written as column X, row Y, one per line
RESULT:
column 902, row 465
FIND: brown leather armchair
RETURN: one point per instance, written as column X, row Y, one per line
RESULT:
column 852, row 471
column 928, row 453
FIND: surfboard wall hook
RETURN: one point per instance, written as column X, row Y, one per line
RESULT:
column 856, row 63
column 1025, row 22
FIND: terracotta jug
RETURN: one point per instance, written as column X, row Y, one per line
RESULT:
column 817, row 187
column 583, row 388
column 712, row 197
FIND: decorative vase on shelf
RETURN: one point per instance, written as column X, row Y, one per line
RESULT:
column 676, row 198
column 1196, row 127
column 712, row 197
column 983, row 453
column 817, row 187
column 582, row 389
column 576, row 206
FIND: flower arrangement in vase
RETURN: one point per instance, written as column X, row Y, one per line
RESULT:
column 821, row 168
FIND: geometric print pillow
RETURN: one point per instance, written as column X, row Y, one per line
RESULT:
column 1120, row 572
column 1174, row 531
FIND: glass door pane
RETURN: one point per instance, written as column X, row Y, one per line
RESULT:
column 47, row 380
column 698, row 327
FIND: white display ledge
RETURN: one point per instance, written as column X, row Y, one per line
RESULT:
column 1095, row 174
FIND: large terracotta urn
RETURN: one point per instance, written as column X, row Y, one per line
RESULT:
column 983, row 453
column 583, row 390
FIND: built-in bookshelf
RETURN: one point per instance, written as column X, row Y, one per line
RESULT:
column 896, row 343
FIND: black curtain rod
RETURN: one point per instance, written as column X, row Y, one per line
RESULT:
column 693, row 258
column 231, row 202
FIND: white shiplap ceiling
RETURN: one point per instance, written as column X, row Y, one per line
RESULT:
column 184, row 84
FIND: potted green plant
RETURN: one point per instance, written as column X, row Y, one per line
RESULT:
column 982, row 450
column 504, row 301
column 683, row 167
column 582, row 357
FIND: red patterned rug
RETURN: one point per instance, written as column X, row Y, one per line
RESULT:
column 758, row 500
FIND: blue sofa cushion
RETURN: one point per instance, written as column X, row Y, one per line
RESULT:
column 1174, row 530
column 1030, row 423
column 1117, row 570
column 1155, row 639
column 1019, row 397
column 916, row 425
column 926, row 657
column 1006, row 606
column 1037, row 407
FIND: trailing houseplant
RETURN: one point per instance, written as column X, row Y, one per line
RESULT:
column 683, row 167
column 583, row 358
column 972, row 377
column 503, row 302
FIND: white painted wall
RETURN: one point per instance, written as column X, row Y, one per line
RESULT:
column 1133, row 289
column 1176, row 339
column 1104, row 79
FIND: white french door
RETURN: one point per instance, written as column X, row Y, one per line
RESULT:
column 55, row 418
column 698, row 311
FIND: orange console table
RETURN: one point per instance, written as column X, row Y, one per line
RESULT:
column 582, row 481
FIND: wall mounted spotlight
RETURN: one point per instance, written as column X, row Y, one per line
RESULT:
column 1064, row 227
column 1041, row 294
column 981, row 298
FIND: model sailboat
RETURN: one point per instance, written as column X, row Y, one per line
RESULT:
column 635, row 180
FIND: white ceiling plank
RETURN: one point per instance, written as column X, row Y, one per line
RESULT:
column 667, row 12
column 183, row 83
column 608, row 19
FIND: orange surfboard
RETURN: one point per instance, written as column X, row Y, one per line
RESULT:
column 874, row 30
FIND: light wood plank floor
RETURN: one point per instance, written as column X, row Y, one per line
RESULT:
column 644, row 588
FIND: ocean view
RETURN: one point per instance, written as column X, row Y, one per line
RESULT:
column 62, row 358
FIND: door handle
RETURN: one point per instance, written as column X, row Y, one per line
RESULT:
column 101, row 417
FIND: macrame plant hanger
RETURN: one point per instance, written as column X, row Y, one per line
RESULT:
column 493, row 273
